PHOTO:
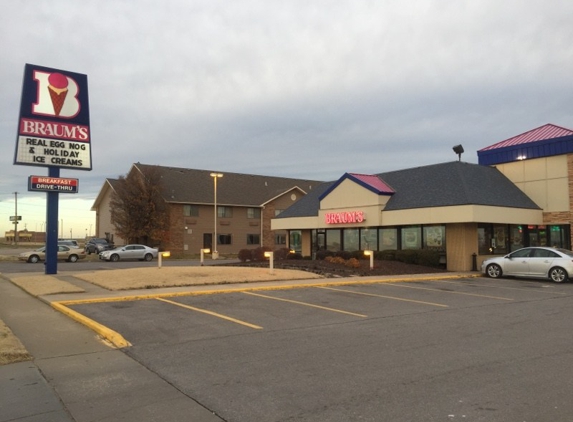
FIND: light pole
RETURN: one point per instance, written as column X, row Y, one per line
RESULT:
column 215, row 253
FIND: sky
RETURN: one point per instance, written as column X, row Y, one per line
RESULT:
column 302, row 89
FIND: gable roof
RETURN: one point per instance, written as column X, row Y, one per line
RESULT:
column 192, row 186
column 371, row 182
column 439, row 185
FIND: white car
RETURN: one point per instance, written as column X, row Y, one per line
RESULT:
column 535, row 262
column 140, row 252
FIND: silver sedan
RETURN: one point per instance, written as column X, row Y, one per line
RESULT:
column 535, row 262
column 140, row 252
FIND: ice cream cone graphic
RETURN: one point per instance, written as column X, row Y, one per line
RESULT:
column 58, row 88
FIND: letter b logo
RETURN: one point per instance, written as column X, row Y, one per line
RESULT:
column 57, row 95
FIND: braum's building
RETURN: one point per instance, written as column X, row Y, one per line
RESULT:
column 520, row 194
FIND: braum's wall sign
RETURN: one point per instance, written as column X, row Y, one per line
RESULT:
column 53, row 129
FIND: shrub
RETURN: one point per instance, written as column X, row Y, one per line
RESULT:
column 386, row 255
column 283, row 253
column 322, row 254
column 335, row 259
column 259, row 253
column 427, row 257
column 245, row 255
column 352, row 263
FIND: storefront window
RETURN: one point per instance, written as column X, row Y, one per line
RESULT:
column 295, row 240
column 559, row 237
column 500, row 238
column 435, row 237
column 411, row 237
column 333, row 240
column 388, row 239
column 516, row 237
column 369, row 239
column 484, row 239
column 351, row 239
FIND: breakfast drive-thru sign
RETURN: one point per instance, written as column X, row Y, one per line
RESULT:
column 53, row 129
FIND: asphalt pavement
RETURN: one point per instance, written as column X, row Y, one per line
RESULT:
column 76, row 376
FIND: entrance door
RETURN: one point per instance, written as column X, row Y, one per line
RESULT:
column 207, row 240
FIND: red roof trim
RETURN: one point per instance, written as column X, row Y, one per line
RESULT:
column 548, row 131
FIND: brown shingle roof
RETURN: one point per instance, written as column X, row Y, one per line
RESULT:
column 192, row 186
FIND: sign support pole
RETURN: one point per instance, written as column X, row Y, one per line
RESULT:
column 52, row 226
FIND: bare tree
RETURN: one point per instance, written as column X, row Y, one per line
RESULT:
column 139, row 212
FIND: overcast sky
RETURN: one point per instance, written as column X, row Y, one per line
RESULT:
column 305, row 89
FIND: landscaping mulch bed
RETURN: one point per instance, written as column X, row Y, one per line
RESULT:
column 329, row 269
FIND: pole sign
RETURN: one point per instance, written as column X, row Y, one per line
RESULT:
column 54, row 123
column 52, row 184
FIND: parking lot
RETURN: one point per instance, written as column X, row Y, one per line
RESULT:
column 467, row 349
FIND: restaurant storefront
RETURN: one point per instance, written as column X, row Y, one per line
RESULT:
column 393, row 211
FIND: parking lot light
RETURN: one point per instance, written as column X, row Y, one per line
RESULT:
column 371, row 255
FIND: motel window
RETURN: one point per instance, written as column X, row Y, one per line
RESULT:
column 253, row 213
column 190, row 210
column 369, row 239
column 411, row 237
column 224, row 212
column 333, row 241
column 280, row 239
column 351, row 239
column 224, row 239
column 253, row 239
column 277, row 212
column 388, row 239
column 435, row 238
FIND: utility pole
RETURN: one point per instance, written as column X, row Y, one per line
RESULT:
column 16, row 218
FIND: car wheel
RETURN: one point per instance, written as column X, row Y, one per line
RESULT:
column 558, row 275
column 493, row 271
column 33, row 259
column 148, row 257
column 72, row 258
column 114, row 257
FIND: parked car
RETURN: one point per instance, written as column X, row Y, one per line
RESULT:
column 97, row 245
column 64, row 252
column 141, row 252
column 535, row 262
column 69, row 242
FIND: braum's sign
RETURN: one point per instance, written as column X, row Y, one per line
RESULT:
column 53, row 129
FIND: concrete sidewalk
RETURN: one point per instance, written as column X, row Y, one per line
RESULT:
column 75, row 376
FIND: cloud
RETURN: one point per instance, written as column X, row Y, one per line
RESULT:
column 298, row 88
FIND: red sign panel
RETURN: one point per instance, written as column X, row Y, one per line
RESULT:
column 52, row 184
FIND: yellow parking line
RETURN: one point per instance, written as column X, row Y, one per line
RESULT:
column 306, row 304
column 506, row 287
column 237, row 321
column 386, row 297
column 445, row 291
